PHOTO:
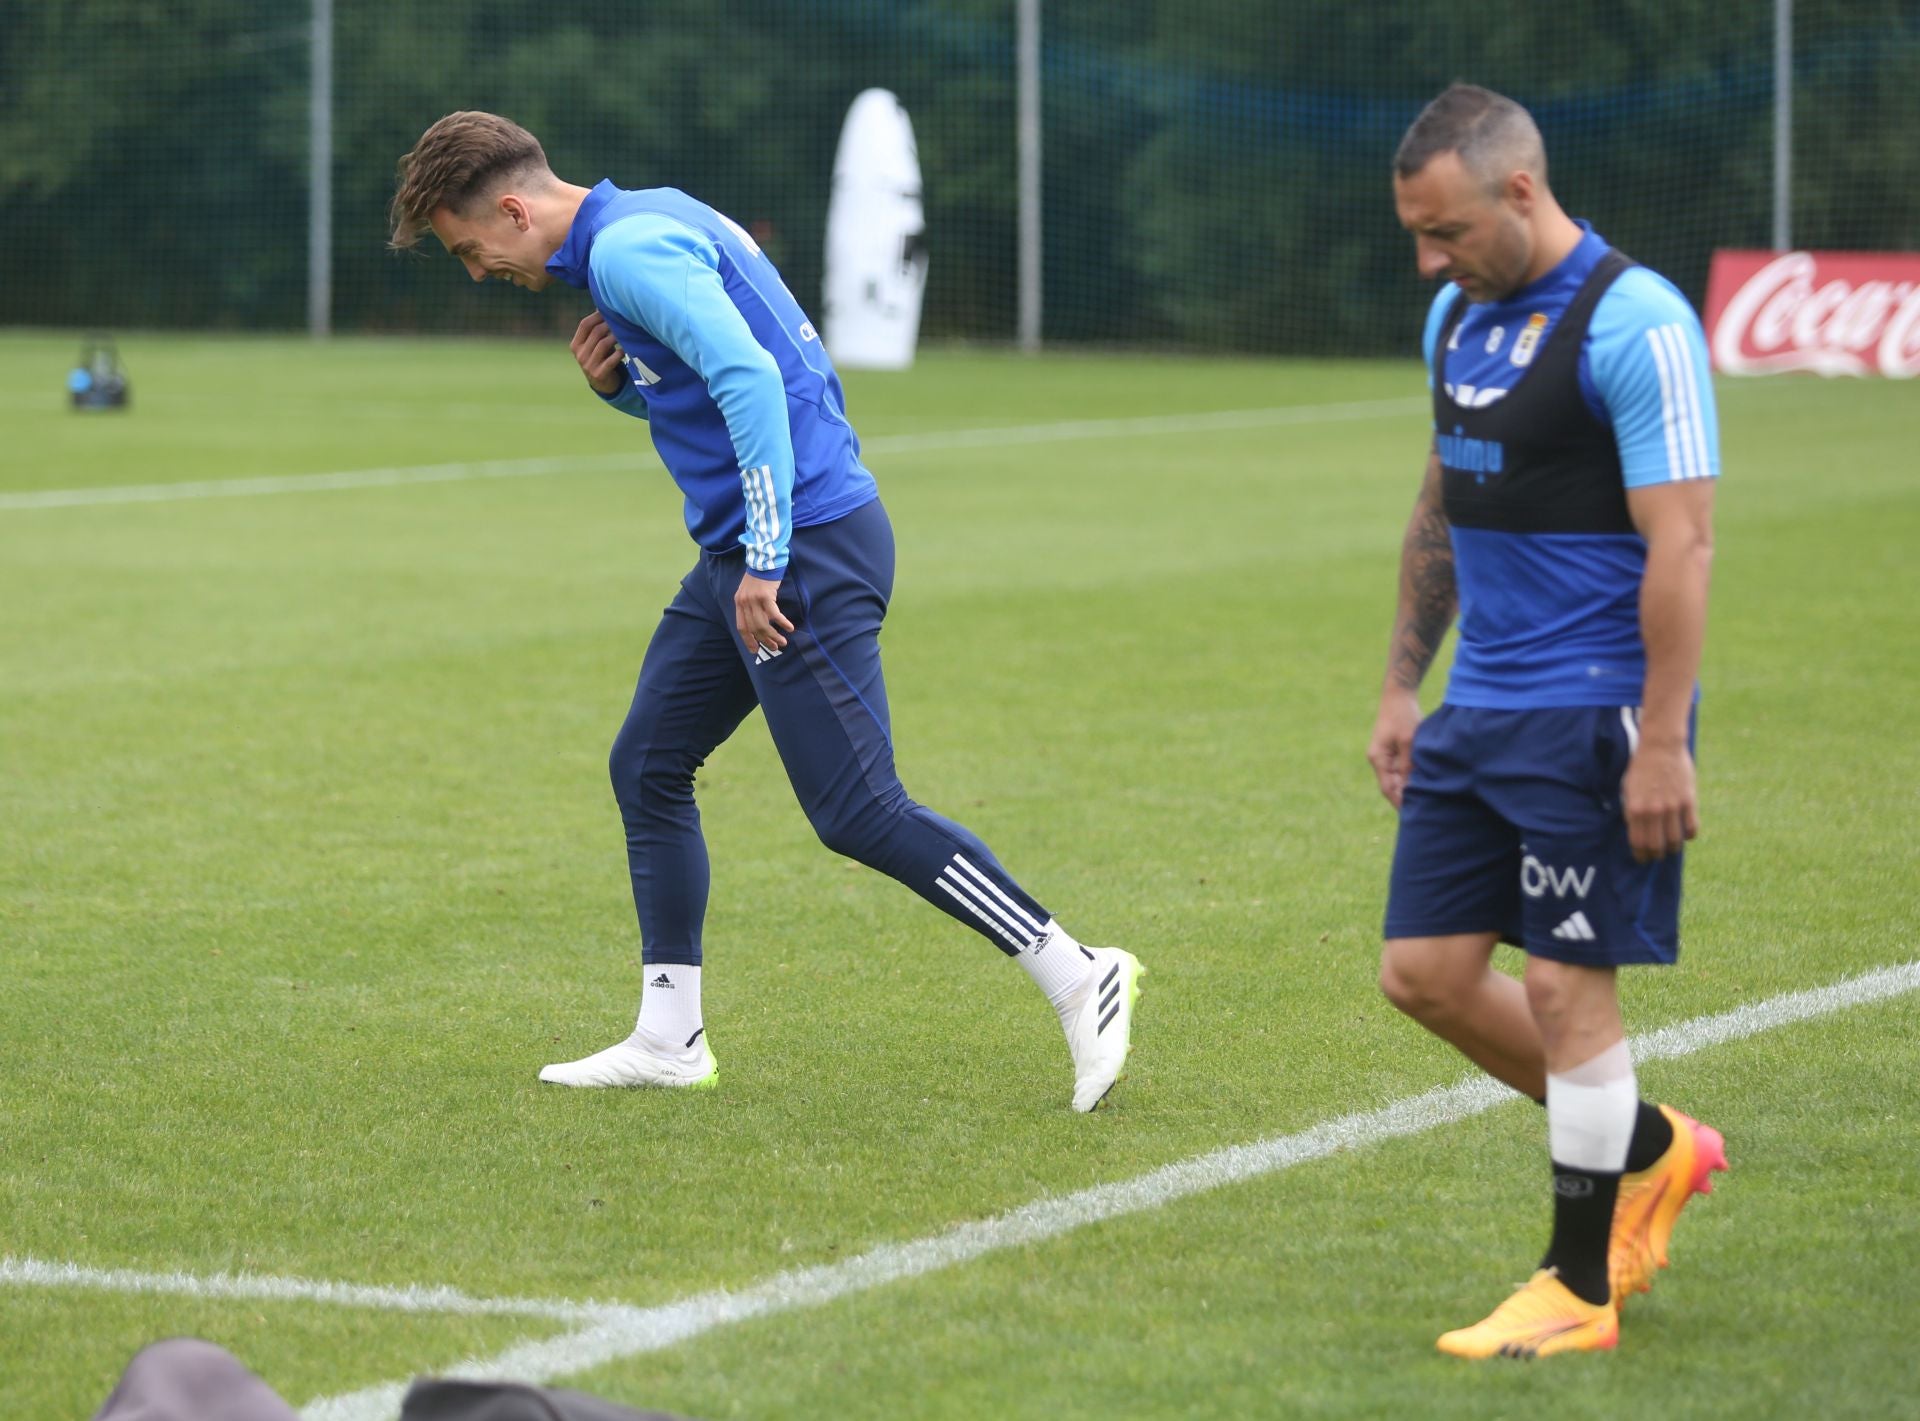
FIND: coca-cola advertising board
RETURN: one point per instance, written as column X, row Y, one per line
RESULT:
column 1835, row 313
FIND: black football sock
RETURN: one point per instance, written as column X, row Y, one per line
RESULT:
column 1582, row 1222
column 1652, row 1133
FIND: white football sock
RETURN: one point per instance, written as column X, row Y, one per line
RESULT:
column 670, row 1004
column 1591, row 1112
column 1057, row 963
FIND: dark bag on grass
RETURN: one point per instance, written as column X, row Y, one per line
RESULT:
column 433, row 1400
column 186, row 1379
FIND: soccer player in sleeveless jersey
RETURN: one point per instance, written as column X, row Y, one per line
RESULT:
column 1566, row 518
column 694, row 332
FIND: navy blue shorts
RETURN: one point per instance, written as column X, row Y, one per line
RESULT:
column 1511, row 824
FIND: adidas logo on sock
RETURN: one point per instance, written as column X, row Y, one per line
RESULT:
column 664, row 981
column 1576, row 929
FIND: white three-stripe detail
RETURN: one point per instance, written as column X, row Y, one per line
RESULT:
column 1687, row 388
column 1632, row 723
column 1679, row 403
column 1667, row 414
column 1037, row 928
column 750, row 492
column 763, row 516
column 965, row 902
column 984, row 899
column 1703, row 462
column 746, row 537
column 774, row 530
column 1003, row 922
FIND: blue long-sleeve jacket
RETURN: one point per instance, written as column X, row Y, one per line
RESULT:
column 743, row 403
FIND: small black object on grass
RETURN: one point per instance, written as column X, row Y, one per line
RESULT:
column 99, row 381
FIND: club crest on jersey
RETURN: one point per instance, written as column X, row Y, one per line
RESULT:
column 1528, row 341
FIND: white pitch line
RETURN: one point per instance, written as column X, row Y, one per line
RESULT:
column 35, row 1272
column 934, row 441
column 638, row 1330
column 309, row 483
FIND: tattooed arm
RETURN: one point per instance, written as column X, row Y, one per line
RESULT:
column 1427, row 604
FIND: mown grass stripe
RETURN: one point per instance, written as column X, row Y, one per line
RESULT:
column 933, row 441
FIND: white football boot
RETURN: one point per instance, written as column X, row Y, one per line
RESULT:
column 1099, row 1025
column 640, row 1061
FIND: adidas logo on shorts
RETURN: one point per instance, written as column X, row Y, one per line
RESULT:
column 1576, row 929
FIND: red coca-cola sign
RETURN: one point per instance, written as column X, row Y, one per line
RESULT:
column 1836, row 313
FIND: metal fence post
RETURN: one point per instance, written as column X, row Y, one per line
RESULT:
column 1782, row 125
column 320, row 173
column 1027, row 46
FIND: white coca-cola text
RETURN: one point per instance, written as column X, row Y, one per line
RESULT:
column 1783, row 317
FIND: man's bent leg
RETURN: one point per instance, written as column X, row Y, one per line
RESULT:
column 825, row 699
column 826, row 707
column 1450, row 986
column 1453, row 893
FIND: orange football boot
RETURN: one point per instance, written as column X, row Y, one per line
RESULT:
column 1651, row 1200
column 1542, row 1317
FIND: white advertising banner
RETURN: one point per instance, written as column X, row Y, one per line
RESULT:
column 876, row 268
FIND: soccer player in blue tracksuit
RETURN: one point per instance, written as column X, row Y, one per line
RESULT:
column 694, row 332
column 1566, row 515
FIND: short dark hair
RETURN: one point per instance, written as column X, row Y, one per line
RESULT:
column 1492, row 134
column 461, row 157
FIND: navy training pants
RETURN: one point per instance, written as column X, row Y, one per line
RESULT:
column 826, row 705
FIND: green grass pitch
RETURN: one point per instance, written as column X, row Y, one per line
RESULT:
column 308, row 862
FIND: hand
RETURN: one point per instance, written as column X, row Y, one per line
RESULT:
column 599, row 354
column 756, row 612
column 1657, row 794
column 1390, row 752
